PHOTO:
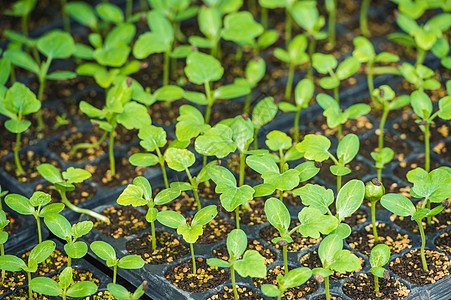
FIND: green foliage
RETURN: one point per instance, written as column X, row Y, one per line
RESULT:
column 37, row 255
column 106, row 252
column 379, row 257
column 293, row 278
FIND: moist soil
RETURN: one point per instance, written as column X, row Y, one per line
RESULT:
column 299, row 243
column 166, row 113
column 14, row 224
column 307, row 288
column 222, row 253
column 362, row 288
column 125, row 172
column 207, row 192
column 244, row 293
column 9, row 140
column 50, row 121
column 233, row 163
column 363, row 240
column 443, row 150
column 82, row 193
column 443, row 242
column 94, row 97
column 216, row 230
column 29, row 160
column 125, row 221
column 440, row 221
column 253, row 216
column 358, row 126
column 408, row 128
column 357, row 218
column 169, row 248
column 206, row 277
column 312, row 260
column 397, row 144
column 409, row 267
column 12, row 281
column 323, row 297
column 405, row 166
column 359, row 169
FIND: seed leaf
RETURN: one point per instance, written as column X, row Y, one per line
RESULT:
column 42, row 251
column 236, row 243
column 76, row 250
column 103, row 250
column 261, row 164
column 330, row 245
column 264, row 112
column 19, row 204
column 315, row 196
column 345, row 261
column 171, row 219
column 131, row 262
column 296, row 277
column 350, row 198
column 380, row 255
column 315, row 147
column 205, row 215
column 277, row 214
column 216, row 262
column 59, row 226
column 216, row 141
column 398, row 204
column 82, row 289
column 313, row 222
column 179, row 159
column 252, row 264
column 348, row 148
column 46, row 286
column 202, row 68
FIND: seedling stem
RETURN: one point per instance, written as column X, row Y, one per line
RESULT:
column 364, row 18
column 423, row 243
column 82, row 210
column 20, row 170
column 326, row 284
column 232, row 275
column 194, row 185
column 193, row 258
column 111, row 153
column 285, row 257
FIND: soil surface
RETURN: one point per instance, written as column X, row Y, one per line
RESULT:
column 362, row 288
column 14, row 224
column 443, row 242
column 125, row 172
column 125, row 221
column 253, row 216
column 405, row 166
column 222, row 253
column 440, row 221
column 82, row 193
column 244, row 293
column 398, row 145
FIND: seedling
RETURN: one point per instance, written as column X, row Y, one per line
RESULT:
column 53, row 45
column 374, row 190
column 62, row 228
column 379, row 257
column 140, row 193
column 204, row 69
column 106, row 252
column 313, row 222
column 294, row 278
column 293, row 56
column 190, row 232
column 420, row 76
column 302, row 95
column 334, row 258
column 63, row 182
column 18, row 101
column 364, row 18
column 190, row 123
column 252, row 264
column 316, row 147
column 2, row 194
column 37, row 206
column 232, row 196
column 263, row 113
column 37, row 255
column 255, row 71
column 381, row 158
column 119, row 109
column 121, row 293
column 3, row 237
column 22, row 8
column 433, row 186
column 65, row 287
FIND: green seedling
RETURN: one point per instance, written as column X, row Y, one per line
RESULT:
column 306, row 15
column 119, row 109
column 381, row 158
column 363, row 19
column 232, row 196
column 2, row 194
column 302, row 94
column 168, row 94
column 3, row 238
column 331, row 7
column 433, row 187
column 106, row 252
column 420, row 76
column 37, row 255
column 379, row 257
column 205, row 69
column 18, row 101
column 22, row 9
column 365, row 53
column 190, row 123
column 53, row 45
column 294, row 55
column 121, row 293
column 252, row 264
column 140, row 193
column 334, row 258
column 316, row 147
column 263, row 113
column 313, row 222
column 62, row 228
column 190, row 232
column 294, row 278
column 65, row 287
column 374, row 190
column 63, row 182
column 153, row 138
column 255, row 71
column 38, row 206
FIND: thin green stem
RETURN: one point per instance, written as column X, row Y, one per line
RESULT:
column 232, row 275
column 386, row 70
column 423, row 243
column 369, row 79
column 210, row 102
column 242, row 168
column 336, row 95
column 281, row 195
column 285, row 259
column 114, row 273
column 376, row 284
column 20, row 170
column 38, row 221
column 30, row 291
column 154, row 237
column 256, row 138
column 129, row 9
column 289, row 85
column 364, row 18
column 12, row 74
column 338, row 183
column 287, row 28
column 379, row 173
column 331, row 25
column 264, row 17
column 373, row 220
column 237, row 217
column 89, row 145
column 311, row 51
column 2, row 251
column 296, row 125
column 339, row 132
column 163, row 168
column 247, row 103
column 279, row 297
column 381, row 128
column 196, row 196
column 427, row 166
column 326, row 285
column 69, row 261
column 166, row 69
column 421, row 54
column 111, row 153
column 193, row 258
column 65, row 17
column 25, row 25
column 82, row 210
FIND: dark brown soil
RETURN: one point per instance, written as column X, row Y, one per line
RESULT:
column 359, row 169
column 81, row 193
column 125, row 221
column 440, row 221
column 14, row 223
column 222, row 253
column 243, row 292
column 443, row 150
column 354, row 220
column 358, row 126
column 399, row 146
column 377, row 27
column 54, row 262
column 49, row 118
column 101, row 295
column 169, row 248
column 253, row 216
column 9, row 141
column 207, row 192
column 206, row 278
column 125, row 172
column 405, row 166
column 363, row 240
column 166, row 113
column 323, row 297
column 224, row 110
column 362, row 288
column 292, row 293
column 233, row 163
column 312, row 260
column 29, row 160
column 409, row 267
column 12, row 281
column 443, row 242
column 300, row 242
column 216, row 230
column 93, row 97
column 407, row 127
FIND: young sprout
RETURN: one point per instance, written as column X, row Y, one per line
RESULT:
column 37, row 255
column 35, row 206
column 331, row 7
column 313, row 222
column 374, row 190
column 3, row 238
column 252, row 264
column 62, row 228
column 420, row 76
column 334, row 258
column 232, row 196
column 190, row 123
column 18, row 101
column 294, row 55
column 263, row 113
column 433, row 187
column 190, row 232
column 302, row 94
column 316, row 147
column 140, row 193
column 121, row 293
column 294, row 278
column 379, row 257
column 209, row 19
column 106, row 252
column 63, row 182
column 53, row 45
column 65, row 287
column 364, row 18
column 23, row 9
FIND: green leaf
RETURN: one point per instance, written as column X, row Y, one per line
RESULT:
column 171, row 219
column 277, row 214
column 11, row 263
column 143, row 159
column 42, row 251
column 76, row 250
column 216, row 141
column 17, row 126
column 357, row 110
column 350, row 198
column 205, row 215
column 21, row 100
column 231, row 91
column 232, row 197
column 348, row 67
column 313, row 222
column 234, row 24
column 329, row 246
column 118, row 291
column 343, row 230
column 202, row 68
column 190, row 234
column 364, row 50
column 222, row 177
column 179, row 159
column 50, row 173
column 268, row 38
column 82, row 289
column 242, row 132
column 190, row 123
column 19, row 204
column 282, row 55
column 56, row 44
column 236, row 243
column 315, row 147
column 348, row 148
column 264, row 189
column 315, row 196
column 91, row 111
column 110, row 13
column 296, row 277
column 76, row 175
column 434, row 187
column 22, row 59
column 134, row 115
column 286, row 181
column 445, row 108
column 161, row 26
column 210, row 21
column 169, row 93
column 103, row 250
column 270, row 290
column 378, row 271
column 398, row 204
column 132, row 195
column 65, row 278
column 58, row 225
column 149, row 43
column 380, row 255
column 216, row 262
column 262, row 164
column 152, row 137
column 304, row 92
column 45, row 286
column 339, row 170
column 345, row 261
column 421, row 104
column 166, row 196
column 305, row 14
column 252, row 264
column 324, row 63
column 277, row 140
column 399, row 102
column 83, row 13
column 296, row 50
column 255, row 70
column 81, row 228
column 131, row 262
